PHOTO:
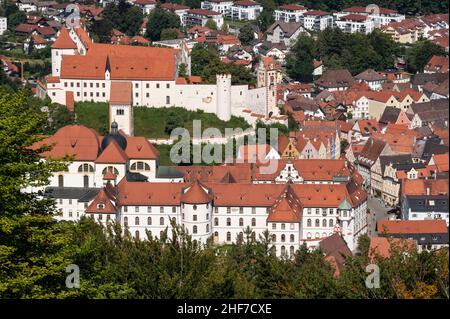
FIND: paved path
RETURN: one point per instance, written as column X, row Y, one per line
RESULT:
column 377, row 211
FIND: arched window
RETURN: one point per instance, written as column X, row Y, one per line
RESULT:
column 216, row 221
column 292, row 238
column 228, row 236
column 161, row 221
column 283, row 238
column 60, row 181
column 324, row 223
column 125, row 221
column 207, row 228
column 140, row 166
column 241, row 221
column 308, row 235
column 194, row 229
column 149, row 220
column 292, row 250
column 110, row 169
column 317, row 223
column 274, row 238
column 228, row 221
column 86, row 181
column 136, row 221
column 283, row 250
column 136, row 234
column 216, row 235
column 317, row 235
column 85, row 168
column 330, row 223
column 253, row 222
column 308, row 223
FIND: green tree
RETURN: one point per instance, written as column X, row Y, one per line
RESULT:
column 16, row 18
column 299, row 62
column 169, row 34
column 160, row 19
column 211, row 24
column 33, row 246
column 246, row 34
column 201, row 56
column 102, row 28
column 418, row 55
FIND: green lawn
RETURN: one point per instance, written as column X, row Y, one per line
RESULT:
column 94, row 115
column 152, row 122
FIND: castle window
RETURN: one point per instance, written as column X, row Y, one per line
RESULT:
column 228, row 221
column 228, row 236
column 71, row 84
column 85, row 168
column 91, row 94
column 292, row 238
column 136, row 221
column 308, row 223
column 157, row 85
column 149, row 220
column 194, row 229
column 110, row 169
column 60, row 181
column 174, row 209
column 161, row 210
column 147, row 85
column 103, row 94
column 168, row 85
column 317, row 223
column 228, row 210
column 207, row 228
column 149, row 209
column 161, row 221
column 136, row 234
column 103, row 85
column 78, row 84
column 216, row 221
column 194, row 218
column 97, row 85
column 137, row 94
column 136, row 85
column 253, row 222
column 91, row 85
column 167, row 99
column 283, row 238
column 253, row 210
column 97, row 94
column 291, row 250
column 274, row 238
column 125, row 221
column 241, row 210
column 324, row 223
column 140, row 166
column 86, row 181
column 136, row 209
column 84, row 84
column 330, row 223
column 283, row 226
column 241, row 222
column 147, row 95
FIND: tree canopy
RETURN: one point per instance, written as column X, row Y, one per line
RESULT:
column 160, row 19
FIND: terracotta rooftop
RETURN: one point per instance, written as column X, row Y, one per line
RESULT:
column 64, row 41
column 121, row 93
column 412, row 226
column 420, row 187
column 382, row 246
column 195, row 194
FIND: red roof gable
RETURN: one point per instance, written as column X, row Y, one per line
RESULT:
column 64, row 41
column 113, row 154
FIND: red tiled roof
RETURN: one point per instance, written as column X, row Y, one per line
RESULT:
column 38, row 39
column 77, row 140
column 195, row 194
column 174, row 6
column 287, row 208
column 25, row 28
column 382, row 246
column 102, row 203
column 412, row 226
column 354, row 17
column 138, row 147
column 121, row 93
column 317, row 13
column 70, row 103
column 438, row 64
column 126, row 63
column 52, row 79
column 419, row 186
column 245, row 3
column 109, row 176
column 113, row 154
column 64, row 41
column 292, row 7
column 369, row 10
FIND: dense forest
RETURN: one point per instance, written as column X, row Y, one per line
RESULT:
column 35, row 250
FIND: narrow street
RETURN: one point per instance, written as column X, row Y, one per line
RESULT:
column 377, row 211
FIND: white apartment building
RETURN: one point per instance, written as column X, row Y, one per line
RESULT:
column 3, row 25
column 27, row 5
column 317, row 20
column 146, row 5
column 245, row 10
column 222, row 6
column 353, row 23
column 379, row 16
column 178, row 9
column 290, row 13
column 201, row 16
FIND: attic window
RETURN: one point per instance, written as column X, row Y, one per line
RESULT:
column 100, row 206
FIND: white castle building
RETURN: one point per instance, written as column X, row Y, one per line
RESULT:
column 118, row 177
column 87, row 71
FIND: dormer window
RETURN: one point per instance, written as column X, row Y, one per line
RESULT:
column 100, row 206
